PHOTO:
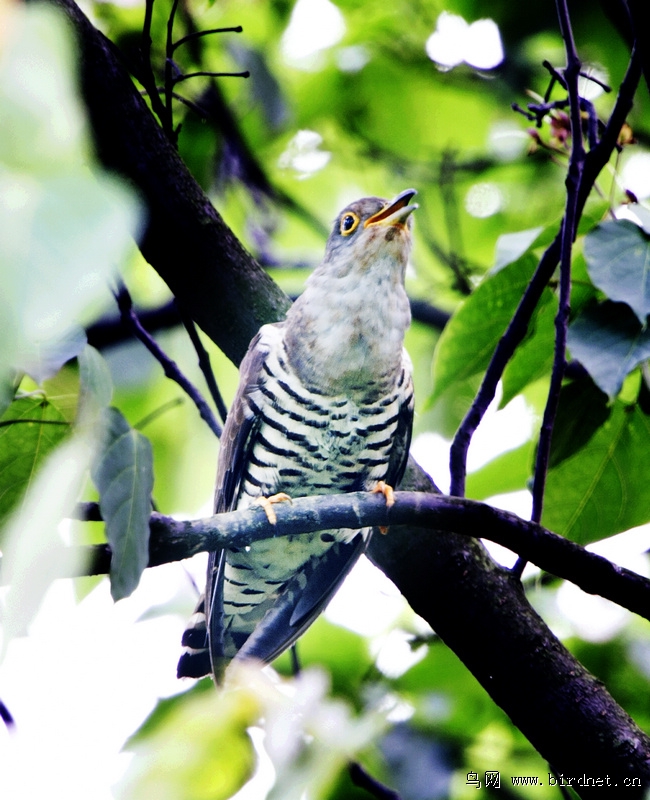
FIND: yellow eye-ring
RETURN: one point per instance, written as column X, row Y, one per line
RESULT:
column 349, row 223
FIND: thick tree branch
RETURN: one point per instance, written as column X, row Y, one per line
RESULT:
column 111, row 330
column 480, row 612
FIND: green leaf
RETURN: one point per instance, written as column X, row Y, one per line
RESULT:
column 30, row 429
column 33, row 553
column 341, row 652
column 96, row 385
column 534, row 357
column 618, row 259
column 198, row 749
column 123, row 475
column 512, row 246
column 440, row 679
column 164, row 711
column 582, row 410
column 609, row 342
column 508, row 472
column 602, row 488
column 468, row 340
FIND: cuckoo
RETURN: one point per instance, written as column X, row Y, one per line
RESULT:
column 324, row 405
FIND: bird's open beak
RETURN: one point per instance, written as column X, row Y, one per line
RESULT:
column 395, row 212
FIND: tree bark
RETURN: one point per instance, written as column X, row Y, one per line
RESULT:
column 476, row 607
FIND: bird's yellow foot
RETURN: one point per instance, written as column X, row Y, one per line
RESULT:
column 389, row 494
column 267, row 504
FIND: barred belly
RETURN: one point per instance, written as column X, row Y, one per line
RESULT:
column 307, row 443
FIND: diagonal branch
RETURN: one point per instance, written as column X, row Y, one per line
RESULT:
column 169, row 366
column 567, row 714
column 567, row 233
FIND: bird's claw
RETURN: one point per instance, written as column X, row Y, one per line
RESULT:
column 389, row 494
column 267, row 504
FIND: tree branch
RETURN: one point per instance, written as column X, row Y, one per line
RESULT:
column 111, row 330
column 170, row 367
column 479, row 610
column 174, row 540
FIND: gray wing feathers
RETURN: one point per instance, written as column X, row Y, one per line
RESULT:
column 402, row 440
column 238, row 434
column 236, row 442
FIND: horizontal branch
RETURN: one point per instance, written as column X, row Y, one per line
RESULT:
column 174, row 540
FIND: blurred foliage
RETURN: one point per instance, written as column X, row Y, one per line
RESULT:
column 280, row 153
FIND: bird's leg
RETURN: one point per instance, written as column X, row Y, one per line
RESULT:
column 389, row 494
column 267, row 504
column 387, row 491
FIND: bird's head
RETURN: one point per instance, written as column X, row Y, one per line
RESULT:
column 369, row 231
column 347, row 328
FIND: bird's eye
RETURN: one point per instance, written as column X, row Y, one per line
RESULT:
column 349, row 223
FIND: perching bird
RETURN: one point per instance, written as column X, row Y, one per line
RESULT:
column 324, row 405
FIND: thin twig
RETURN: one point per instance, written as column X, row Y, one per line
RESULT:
column 295, row 661
column 196, row 34
column 6, row 422
column 569, row 223
column 513, row 336
column 595, row 161
column 201, row 74
column 147, row 77
column 205, row 366
column 556, row 75
column 6, row 716
column 597, row 158
column 169, row 78
column 158, row 412
column 169, row 366
column 195, row 107
column 589, row 77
